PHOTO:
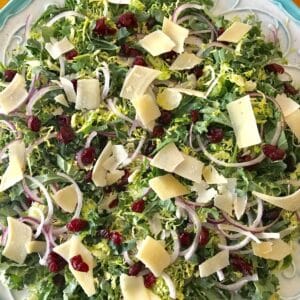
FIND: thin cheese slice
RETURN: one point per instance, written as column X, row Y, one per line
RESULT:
column 66, row 198
column 190, row 92
column 204, row 195
column 133, row 288
column 185, row 61
column 235, row 32
column 35, row 247
column 212, row 176
column 168, row 158
column 214, row 264
column 290, row 202
column 167, row 187
column 69, row 90
column 293, row 121
column 177, row 33
column 99, row 173
column 244, row 123
column 146, row 109
column 59, row 48
column 274, row 250
column 88, row 94
column 110, row 164
column 169, row 99
column 224, row 202
column 13, row 95
column 138, row 81
column 287, row 105
column 61, row 99
column 155, row 257
column 240, row 204
column 119, row 153
column 19, row 235
column 15, row 170
column 191, row 168
column 157, row 43
column 114, row 176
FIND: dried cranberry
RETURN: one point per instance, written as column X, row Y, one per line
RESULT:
column 59, row 280
column 66, row 135
column 127, row 51
column 74, row 82
column 64, row 120
column 116, row 238
column 138, row 206
column 71, row 54
column 78, row 264
column 28, row 200
column 239, row 264
column 197, row 71
column 203, row 237
column 220, row 31
column 87, row 155
column 34, row 123
column 9, row 75
column 127, row 20
column 195, row 115
column 77, row 225
column 88, row 176
column 215, row 135
column 165, row 117
column 105, row 233
column 103, row 29
column 158, row 131
column 151, row 22
column 289, row 89
column 139, row 61
column 271, row 215
column 291, row 163
column 149, row 147
column 275, row 68
column 113, row 203
column 135, row 269
column 246, row 158
column 124, row 180
column 185, row 239
column 55, row 262
column 149, row 280
column 169, row 55
column 273, row 152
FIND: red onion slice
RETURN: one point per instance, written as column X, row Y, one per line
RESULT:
column 90, row 139
column 64, row 14
column 31, row 194
column 106, row 73
column 239, row 284
column 127, row 258
column 170, row 284
column 176, row 246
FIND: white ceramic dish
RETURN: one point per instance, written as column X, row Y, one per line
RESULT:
column 273, row 17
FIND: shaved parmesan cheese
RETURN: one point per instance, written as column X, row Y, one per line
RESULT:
column 15, row 170
column 204, row 195
column 19, row 235
column 59, row 48
column 133, row 288
column 240, row 204
column 114, row 176
column 224, row 202
column 290, row 202
column 68, row 87
column 244, row 123
column 153, row 255
column 169, row 99
column 72, row 248
column 110, row 164
column 88, row 94
column 167, row 187
column 190, row 168
column 190, row 92
column 275, row 250
column 120, row 1
column 152, row 296
column 66, row 198
column 212, row 176
column 293, row 122
column 146, row 109
column 234, row 33
column 167, row 158
column 99, row 173
column 287, row 105
column 35, row 247
column 157, row 43
column 185, row 61
column 13, row 95
column 214, row 264
column 61, row 99
column 137, row 82
column 177, row 33
column 119, row 153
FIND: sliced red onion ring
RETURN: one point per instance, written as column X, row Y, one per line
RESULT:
column 176, row 246
column 170, row 284
column 40, row 227
column 189, row 252
column 106, row 73
column 135, row 153
column 4, row 235
column 33, row 196
column 233, row 228
column 243, row 243
column 27, row 28
column 39, row 142
column 112, row 107
column 180, row 9
column 78, row 192
column 127, row 258
column 239, row 284
column 65, row 14
column 37, row 96
column 90, row 139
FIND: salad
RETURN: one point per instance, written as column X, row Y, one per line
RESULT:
column 149, row 150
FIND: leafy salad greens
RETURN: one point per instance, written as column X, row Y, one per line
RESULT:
column 149, row 150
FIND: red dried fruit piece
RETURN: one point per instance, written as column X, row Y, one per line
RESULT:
column 87, row 155
column 197, row 71
column 103, row 29
column 203, row 237
column 289, row 89
column 149, row 280
column 78, row 264
column 127, row 20
column 88, row 176
column 127, row 51
column 150, row 146
column 239, row 264
column 9, row 75
column 135, row 269
column 274, row 68
column 165, row 117
column 74, row 82
column 195, row 115
column 169, row 55
column 34, row 123
column 158, row 131
column 185, row 239
column 273, row 152
column 64, row 120
column 113, row 203
column 116, row 238
column 77, row 225
column 71, row 54
column 65, row 135
column 215, row 135
column 55, row 262
column 139, row 61
column 138, row 206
